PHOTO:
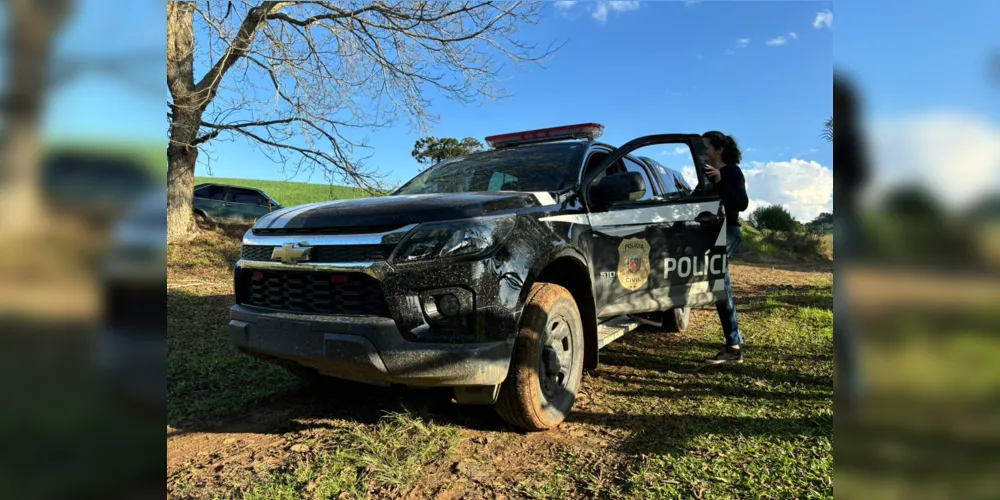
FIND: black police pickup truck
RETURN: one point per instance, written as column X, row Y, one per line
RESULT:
column 499, row 274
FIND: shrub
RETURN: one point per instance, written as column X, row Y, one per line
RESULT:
column 773, row 217
column 790, row 246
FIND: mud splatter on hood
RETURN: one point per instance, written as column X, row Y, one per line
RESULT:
column 396, row 210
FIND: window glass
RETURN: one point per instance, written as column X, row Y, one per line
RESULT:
column 682, row 187
column 245, row 196
column 500, row 181
column 545, row 167
column 674, row 186
column 211, row 192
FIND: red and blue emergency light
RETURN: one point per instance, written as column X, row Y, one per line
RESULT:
column 589, row 131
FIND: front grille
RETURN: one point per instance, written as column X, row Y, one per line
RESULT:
column 347, row 294
column 134, row 309
column 256, row 252
column 325, row 253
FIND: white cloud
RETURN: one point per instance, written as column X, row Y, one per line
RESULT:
column 794, row 35
column 823, row 18
column 750, row 150
column 601, row 9
column 564, row 5
column 776, row 41
column 954, row 154
column 743, row 43
column 691, row 3
column 689, row 175
column 729, row 52
column 803, row 187
column 678, row 150
column 671, row 93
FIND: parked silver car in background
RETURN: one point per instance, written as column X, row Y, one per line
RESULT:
column 131, row 351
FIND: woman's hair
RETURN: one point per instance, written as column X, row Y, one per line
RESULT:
column 731, row 154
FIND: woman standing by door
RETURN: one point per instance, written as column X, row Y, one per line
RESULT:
column 723, row 170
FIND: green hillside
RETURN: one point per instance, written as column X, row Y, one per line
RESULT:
column 291, row 193
column 149, row 155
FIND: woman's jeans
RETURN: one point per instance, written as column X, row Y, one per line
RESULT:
column 726, row 308
column 847, row 234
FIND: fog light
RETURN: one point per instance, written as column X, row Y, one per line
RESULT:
column 448, row 304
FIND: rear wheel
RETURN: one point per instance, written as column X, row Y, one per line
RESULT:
column 676, row 320
column 547, row 363
column 672, row 321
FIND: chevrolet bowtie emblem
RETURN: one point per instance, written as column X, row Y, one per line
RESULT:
column 290, row 253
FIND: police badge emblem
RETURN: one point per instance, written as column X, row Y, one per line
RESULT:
column 633, row 263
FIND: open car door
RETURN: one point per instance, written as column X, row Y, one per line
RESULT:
column 654, row 253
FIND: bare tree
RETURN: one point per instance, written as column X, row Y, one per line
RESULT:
column 28, row 44
column 300, row 80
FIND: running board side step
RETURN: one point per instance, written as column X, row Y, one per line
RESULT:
column 614, row 329
column 645, row 321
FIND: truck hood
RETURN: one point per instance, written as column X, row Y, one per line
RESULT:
column 396, row 211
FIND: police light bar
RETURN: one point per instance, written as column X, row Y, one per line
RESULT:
column 590, row 131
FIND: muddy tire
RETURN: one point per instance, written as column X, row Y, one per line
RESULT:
column 547, row 363
column 676, row 320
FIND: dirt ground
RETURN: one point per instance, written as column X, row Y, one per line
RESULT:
column 651, row 421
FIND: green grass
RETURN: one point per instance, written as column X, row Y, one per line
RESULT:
column 291, row 193
column 206, row 378
column 388, row 457
column 150, row 155
column 676, row 429
column 758, row 430
column 929, row 425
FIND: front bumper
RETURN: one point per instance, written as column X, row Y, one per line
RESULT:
column 366, row 349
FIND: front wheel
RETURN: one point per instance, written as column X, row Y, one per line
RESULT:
column 547, row 364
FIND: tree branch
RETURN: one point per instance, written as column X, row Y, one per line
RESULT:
column 205, row 138
column 309, row 76
column 209, row 84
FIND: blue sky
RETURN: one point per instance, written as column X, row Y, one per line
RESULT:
column 96, row 105
column 663, row 67
column 932, row 110
column 944, row 66
column 655, row 69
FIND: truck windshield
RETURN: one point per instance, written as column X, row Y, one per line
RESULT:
column 549, row 167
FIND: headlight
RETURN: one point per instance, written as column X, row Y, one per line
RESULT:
column 453, row 239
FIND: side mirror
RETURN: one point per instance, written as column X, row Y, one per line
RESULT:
column 616, row 188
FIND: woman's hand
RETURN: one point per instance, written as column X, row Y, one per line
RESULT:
column 713, row 174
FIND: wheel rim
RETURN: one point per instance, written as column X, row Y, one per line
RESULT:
column 557, row 357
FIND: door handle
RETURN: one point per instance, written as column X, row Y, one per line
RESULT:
column 706, row 218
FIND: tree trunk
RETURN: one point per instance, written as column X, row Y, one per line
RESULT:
column 182, row 151
column 181, row 159
column 31, row 27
